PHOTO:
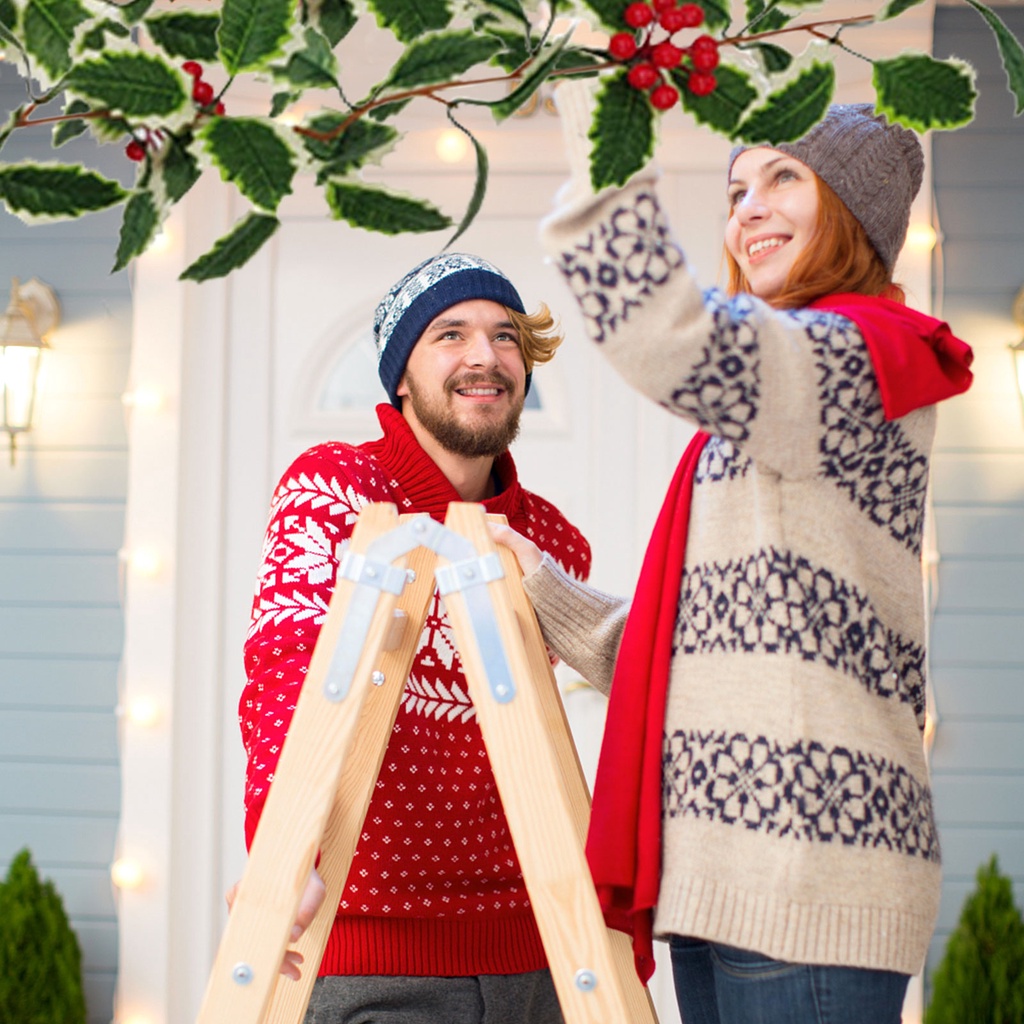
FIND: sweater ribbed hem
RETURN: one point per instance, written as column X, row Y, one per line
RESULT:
column 442, row 947
column 872, row 937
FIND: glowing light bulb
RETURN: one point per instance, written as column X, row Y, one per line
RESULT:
column 921, row 237
column 144, row 711
column 143, row 398
column 451, row 146
column 144, row 561
column 126, row 873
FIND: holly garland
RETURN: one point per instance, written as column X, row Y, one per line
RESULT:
column 85, row 72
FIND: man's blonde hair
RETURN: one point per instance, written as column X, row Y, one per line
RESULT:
column 539, row 335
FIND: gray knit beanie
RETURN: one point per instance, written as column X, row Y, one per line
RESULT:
column 874, row 167
column 428, row 289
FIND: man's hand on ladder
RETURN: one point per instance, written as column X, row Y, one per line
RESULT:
column 312, row 898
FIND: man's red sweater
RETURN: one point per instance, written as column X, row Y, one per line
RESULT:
column 435, row 886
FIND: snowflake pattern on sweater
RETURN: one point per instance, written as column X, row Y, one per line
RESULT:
column 435, row 842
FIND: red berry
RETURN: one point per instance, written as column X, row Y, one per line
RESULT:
column 701, row 83
column 704, row 43
column 704, row 59
column 663, row 5
column 219, row 109
column 666, row 55
column 622, row 46
column 135, row 150
column 664, row 97
column 202, row 92
column 642, row 76
column 193, row 68
column 672, row 20
column 638, row 15
column 693, row 13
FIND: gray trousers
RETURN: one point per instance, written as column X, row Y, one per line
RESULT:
column 486, row 999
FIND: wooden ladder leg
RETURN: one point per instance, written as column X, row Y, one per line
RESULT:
column 542, row 678
column 356, row 784
column 283, row 851
column 592, row 984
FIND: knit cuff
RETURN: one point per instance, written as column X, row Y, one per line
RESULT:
column 581, row 624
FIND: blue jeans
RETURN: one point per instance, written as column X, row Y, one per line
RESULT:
column 717, row 984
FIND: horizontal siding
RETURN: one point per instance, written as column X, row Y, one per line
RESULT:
column 64, row 526
column 66, row 791
column 44, row 682
column 61, row 527
column 977, row 649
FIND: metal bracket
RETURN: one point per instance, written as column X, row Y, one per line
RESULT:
column 468, row 574
column 373, row 574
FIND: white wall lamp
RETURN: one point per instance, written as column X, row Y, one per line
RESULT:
column 31, row 314
column 1017, row 348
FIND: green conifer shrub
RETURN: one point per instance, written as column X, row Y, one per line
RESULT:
column 981, row 977
column 40, row 959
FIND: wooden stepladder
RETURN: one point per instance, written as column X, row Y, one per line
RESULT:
column 336, row 743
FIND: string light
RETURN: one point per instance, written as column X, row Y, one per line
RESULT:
column 451, row 146
column 126, row 873
column 144, row 712
column 921, row 237
column 145, row 399
column 142, row 560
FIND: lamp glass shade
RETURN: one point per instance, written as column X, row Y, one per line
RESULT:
column 19, row 369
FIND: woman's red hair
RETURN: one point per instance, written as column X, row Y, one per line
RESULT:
column 838, row 258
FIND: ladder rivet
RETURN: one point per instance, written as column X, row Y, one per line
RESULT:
column 586, row 981
column 377, row 678
column 501, row 690
column 468, row 572
column 371, row 572
column 241, row 974
column 410, row 575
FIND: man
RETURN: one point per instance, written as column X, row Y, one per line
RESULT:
column 434, row 922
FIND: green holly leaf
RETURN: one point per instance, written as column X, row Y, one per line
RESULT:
column 622, row 133
column 41, row 192
column 504, row 11
column 253, row 32
column 312, row 67
column 8, row 15
column 135, row 11
column 281, row 101
column 65, row 131
column 774, row 59
column 765, row 17
column 895, row 8
column 378, row 209
column 610, row 12
column 716, row 14
column 479, row 187
column 335, row 18
column 360, row 142
column 788, row 113
column 96, row 37
column 1010, row 52
column 386, row 110
column 439, row 57
column 536, row 74
column 251, row 154
column 189, row 35
column 234, row 249
column 48, row 29
column 131, row 82
column 410, row 19
column 723, row 109
column 922, row 92
column 177, row 167
column 138, row 227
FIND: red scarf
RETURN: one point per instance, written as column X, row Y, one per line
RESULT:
column 917, row 362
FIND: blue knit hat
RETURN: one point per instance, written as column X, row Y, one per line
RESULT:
column 435, row 285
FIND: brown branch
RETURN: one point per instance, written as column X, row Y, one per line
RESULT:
column 810, row 27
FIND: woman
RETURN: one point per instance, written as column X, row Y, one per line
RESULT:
column 762, row 786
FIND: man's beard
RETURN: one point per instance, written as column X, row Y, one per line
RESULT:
column 482, row 439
